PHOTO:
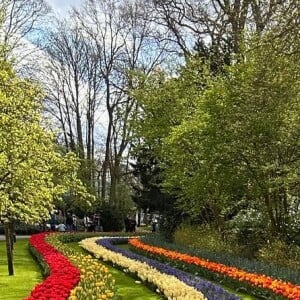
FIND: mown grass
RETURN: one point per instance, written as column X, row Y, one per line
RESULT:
column 127, row 287
column 27, row 272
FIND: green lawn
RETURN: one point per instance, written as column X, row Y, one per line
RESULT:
column 127, row 287
column 27, row 272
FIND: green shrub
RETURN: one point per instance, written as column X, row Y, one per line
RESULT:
column 168, row 224
column 75, row 237
column 203, row 237
column 281, row 253
column 24, row 229
column 40, row 261
column 78, row 236
column 249, row 230
column 112, row 218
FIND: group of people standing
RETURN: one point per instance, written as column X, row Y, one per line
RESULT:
column 92, row 223
column 69, row 222
column 57, row 222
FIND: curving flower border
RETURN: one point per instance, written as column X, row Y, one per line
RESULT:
column 279, row 287
column 210, row 290
column 95, row 278
column 63, row 277
column 170, row 286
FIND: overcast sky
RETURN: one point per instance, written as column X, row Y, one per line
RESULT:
column 63, row 6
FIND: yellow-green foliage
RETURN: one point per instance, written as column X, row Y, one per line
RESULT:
column 32, row 172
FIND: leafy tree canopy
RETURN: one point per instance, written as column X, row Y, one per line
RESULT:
column 230, row 141
column 33, row 175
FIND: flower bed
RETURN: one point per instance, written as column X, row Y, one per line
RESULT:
column 210, row 290
column 63, row 275
column 279, row 287
column 170, row 286
column 250, row 265
column 95, row 279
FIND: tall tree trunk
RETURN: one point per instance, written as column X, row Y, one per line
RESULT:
column 93, row 172
column 115, row 171
column 64, row 130
column 113, row 190
column 270, row 211
column 9, row 248
column 79, row 135
column 69, row 122
column 139, row 217
column 105, row 165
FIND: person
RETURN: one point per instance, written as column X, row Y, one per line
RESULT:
column 127, row 224
column 132, row 225
column 98, row 222
column 92, row 224
column 53, row 221
column 69, row 222
column 74, row 218
column 61, row 227
column 86, row 222
column 154, row 224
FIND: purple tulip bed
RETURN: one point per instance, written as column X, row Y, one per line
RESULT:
column 210, row 290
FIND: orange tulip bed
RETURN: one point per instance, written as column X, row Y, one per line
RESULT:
column 284, row 290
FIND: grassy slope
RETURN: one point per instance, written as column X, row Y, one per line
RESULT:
column 127, row 287
column 27, row 272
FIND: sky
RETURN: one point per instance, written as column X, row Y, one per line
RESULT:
column 63, row 6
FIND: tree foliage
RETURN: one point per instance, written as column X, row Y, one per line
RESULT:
column 33, row 173
column 239, row 146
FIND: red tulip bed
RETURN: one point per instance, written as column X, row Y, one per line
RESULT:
column 63, row 275
column 77, row 277
column 72, row 275
column 279, row 287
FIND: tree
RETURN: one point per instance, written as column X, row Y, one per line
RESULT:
column 33, row 173
column 124, row 42
column 164, row 102
column 217, row 28
column 21, row 22
column 149, row 195
column 147, row 185
column 240, row 147
column 73, row 85
column 228, row 142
